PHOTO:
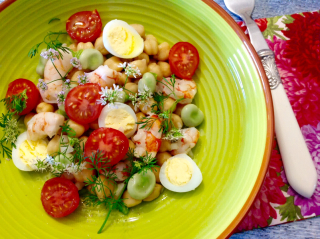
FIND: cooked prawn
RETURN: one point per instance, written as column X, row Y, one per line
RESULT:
column 44, row 124
column 104, row 76
column 51, row 74
column 186, row 89
column 189, row 140
column 148, row 140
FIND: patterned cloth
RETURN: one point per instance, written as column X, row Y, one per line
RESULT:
column 295, row 40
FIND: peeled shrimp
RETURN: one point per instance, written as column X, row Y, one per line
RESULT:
column 51, row 74
column 44, row 124
column 148, row 140
column 186, row 89
column 184, row 145
column 121, row 170
column 104, row 76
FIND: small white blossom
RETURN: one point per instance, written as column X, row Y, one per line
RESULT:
column 109, row 95
column 61, row 98
column 123, row 65
column 101, row 101
column 174, row 135
column 74, row 168
column 82, row 79
column 50, row 54
column 130, row 69
column 42, row 85
column 75, row 62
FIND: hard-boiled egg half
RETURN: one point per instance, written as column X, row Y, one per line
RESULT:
column 27, row 151
column 180, row 174
column 119, row 116
column 122, row 40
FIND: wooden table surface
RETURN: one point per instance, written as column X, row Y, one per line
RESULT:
column 309, row 228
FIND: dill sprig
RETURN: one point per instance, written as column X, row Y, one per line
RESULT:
column 51, row 41
column 16, row 103
column 53, row 19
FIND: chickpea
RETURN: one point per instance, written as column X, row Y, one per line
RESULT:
column 140, row 115
column 132, row 88
column 73, row 46
column 165, row 68
column 163, row 51
column 141, row 65
column 79, row 185
column 53, row 145
column 139, row 28
column 113, row 63
column 168, row 103
column 100, row 47
column 143, row 56
column 83, row 46
column 75, row 78
column 85, row 174
column 122, row 79
column 136, row 81
column 162, row 157
column 104, row 187
column 179, row 108
column 94, row 125
column 135, row 109
column 83, row 140
column 44, row 107
column 177, row 121
column 155, row 193
column 91, row 189
column 146, row 108
column 151, row 45
column 165, row 146
column 131, row 144
column 27, row 118
column 78, row 128
column 129, row 201
column 156, row 171
column 153, row 67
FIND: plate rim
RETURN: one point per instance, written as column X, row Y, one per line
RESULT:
column 269, row 108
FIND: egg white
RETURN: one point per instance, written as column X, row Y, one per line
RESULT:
column 138, row 48
column 15, row 153
column 107, row 109
column 194, row 182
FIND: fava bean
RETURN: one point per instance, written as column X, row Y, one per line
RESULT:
column 191, row 115
column 141, row 185
column 91, row 59
column 148, row 81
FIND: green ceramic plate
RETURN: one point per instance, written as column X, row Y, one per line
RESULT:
column 232, row 152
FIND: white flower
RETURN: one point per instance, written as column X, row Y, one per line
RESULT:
column 61, row 98
column 50, row 54
column 123, row 65
column 101, row 101
column 42, row 85
column 49, row 159
column 117, row 88
column 130, row 70
column 82, row 79
column 75, row 62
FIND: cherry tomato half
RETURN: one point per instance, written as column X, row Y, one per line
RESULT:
column 18, row 86
column 81, row 104
column 112, row 143
column 183, row 59
column 84, row 26
column 59, row 197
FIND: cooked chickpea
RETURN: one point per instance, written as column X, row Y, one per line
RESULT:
column 140, row 116
column 143, row 56
column 165, row 68
column 177, row 121
column 151, row 45
column 162, row 157
column 141, row 65
column 165, row 146
column 168, row 103
column 73, row 46
column 131, row 144
column 75, row 78
column 135, row 109
column 153, row 67
column 163, row 51
column 139, row 28
column 113, row 63
column 131, row 88
column 85, row 174
column 83, row 46
column 100, row 47
column 179, row 108
column 83, row 140
column 79, row 185
column 78, row 128
column 122, row 79
column 53, row 145
column 27, row 118
column 156, row 171
column 104, row 187
column 129, row 201
column 146, row 108
column 91, row 189
column 44, row 107
column 155, row 193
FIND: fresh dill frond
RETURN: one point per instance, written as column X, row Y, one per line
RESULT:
column 16, row 103
column 53, row 19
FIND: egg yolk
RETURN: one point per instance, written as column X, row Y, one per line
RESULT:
column 121, row 40
column 30, row 150
column 120, row 119
column 178, row 171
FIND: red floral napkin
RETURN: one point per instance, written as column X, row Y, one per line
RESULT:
column 295, row 40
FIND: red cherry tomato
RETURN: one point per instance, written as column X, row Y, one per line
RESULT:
column 81, row 104
column 59, row 197
column 183, row 60
column 84, row 26
column 18, row 86
column 112, row 143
